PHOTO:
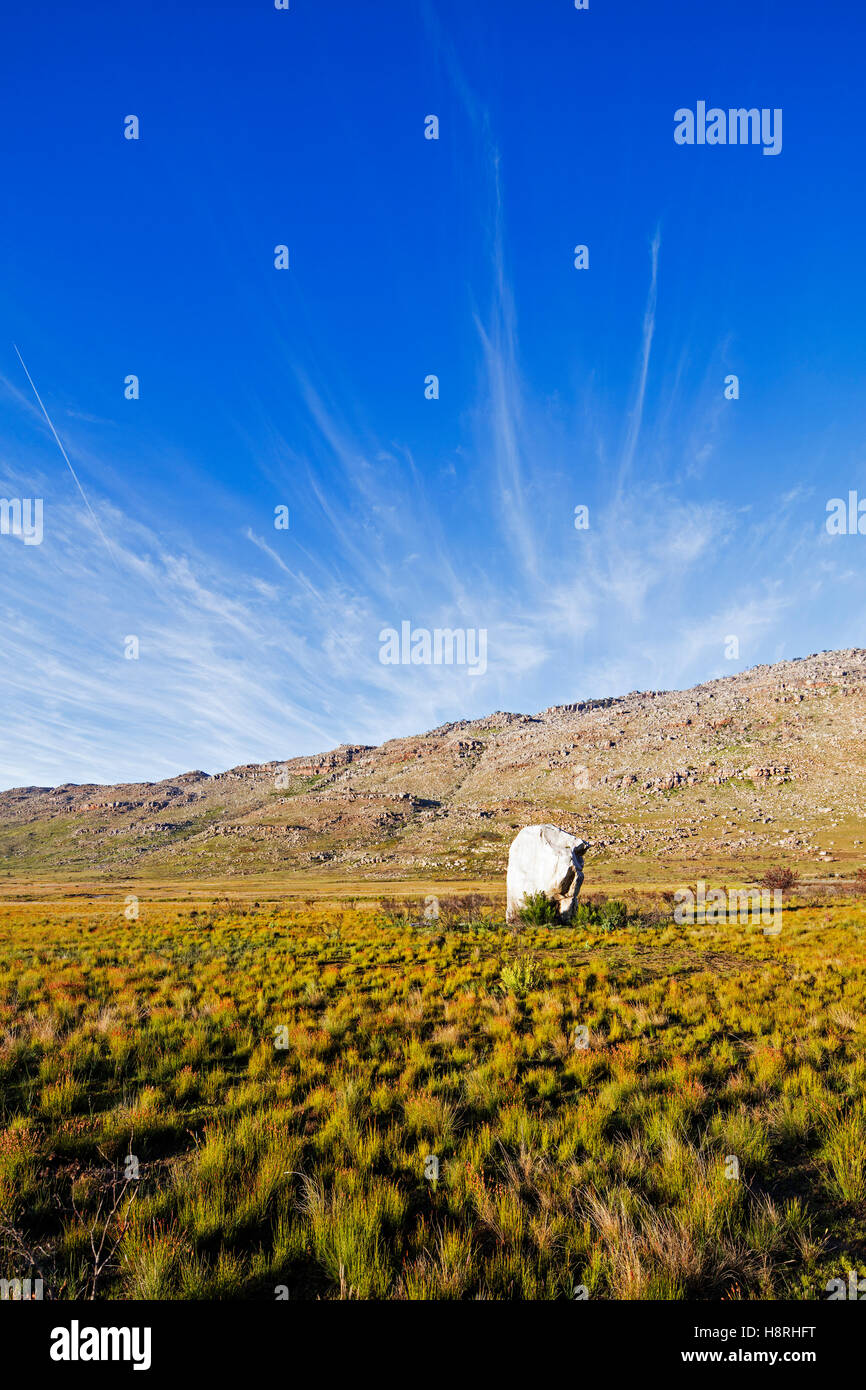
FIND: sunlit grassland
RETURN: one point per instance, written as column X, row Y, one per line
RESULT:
column 599, row 1159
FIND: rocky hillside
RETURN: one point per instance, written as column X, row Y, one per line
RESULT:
column 760, row 767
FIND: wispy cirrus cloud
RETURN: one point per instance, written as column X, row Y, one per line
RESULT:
column 257, row 644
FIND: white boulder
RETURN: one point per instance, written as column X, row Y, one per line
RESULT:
column 544, row 859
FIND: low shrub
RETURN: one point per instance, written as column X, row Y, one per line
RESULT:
column 607, row 914
column 521, row 976
column 779, row 877
column 538, row 910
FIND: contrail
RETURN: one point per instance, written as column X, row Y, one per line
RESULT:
column 66, row 457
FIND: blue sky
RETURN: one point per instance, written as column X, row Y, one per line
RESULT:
column 305, row 387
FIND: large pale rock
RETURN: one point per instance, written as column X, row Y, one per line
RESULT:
column 544, row 859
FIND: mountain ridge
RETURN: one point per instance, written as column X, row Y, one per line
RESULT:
column 644, row 774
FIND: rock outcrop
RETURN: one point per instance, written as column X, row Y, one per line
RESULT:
column 545, row 859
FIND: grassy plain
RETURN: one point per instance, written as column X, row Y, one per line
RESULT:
column 236, row 1095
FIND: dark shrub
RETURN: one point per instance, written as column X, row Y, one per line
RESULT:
column 779, row 877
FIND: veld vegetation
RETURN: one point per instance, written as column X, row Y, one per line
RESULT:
column 231, row 1100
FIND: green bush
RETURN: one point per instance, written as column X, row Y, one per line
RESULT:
column 537, row 910
column 607, row 914
column 613, row 915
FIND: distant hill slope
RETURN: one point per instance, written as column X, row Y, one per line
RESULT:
column 767, row 765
